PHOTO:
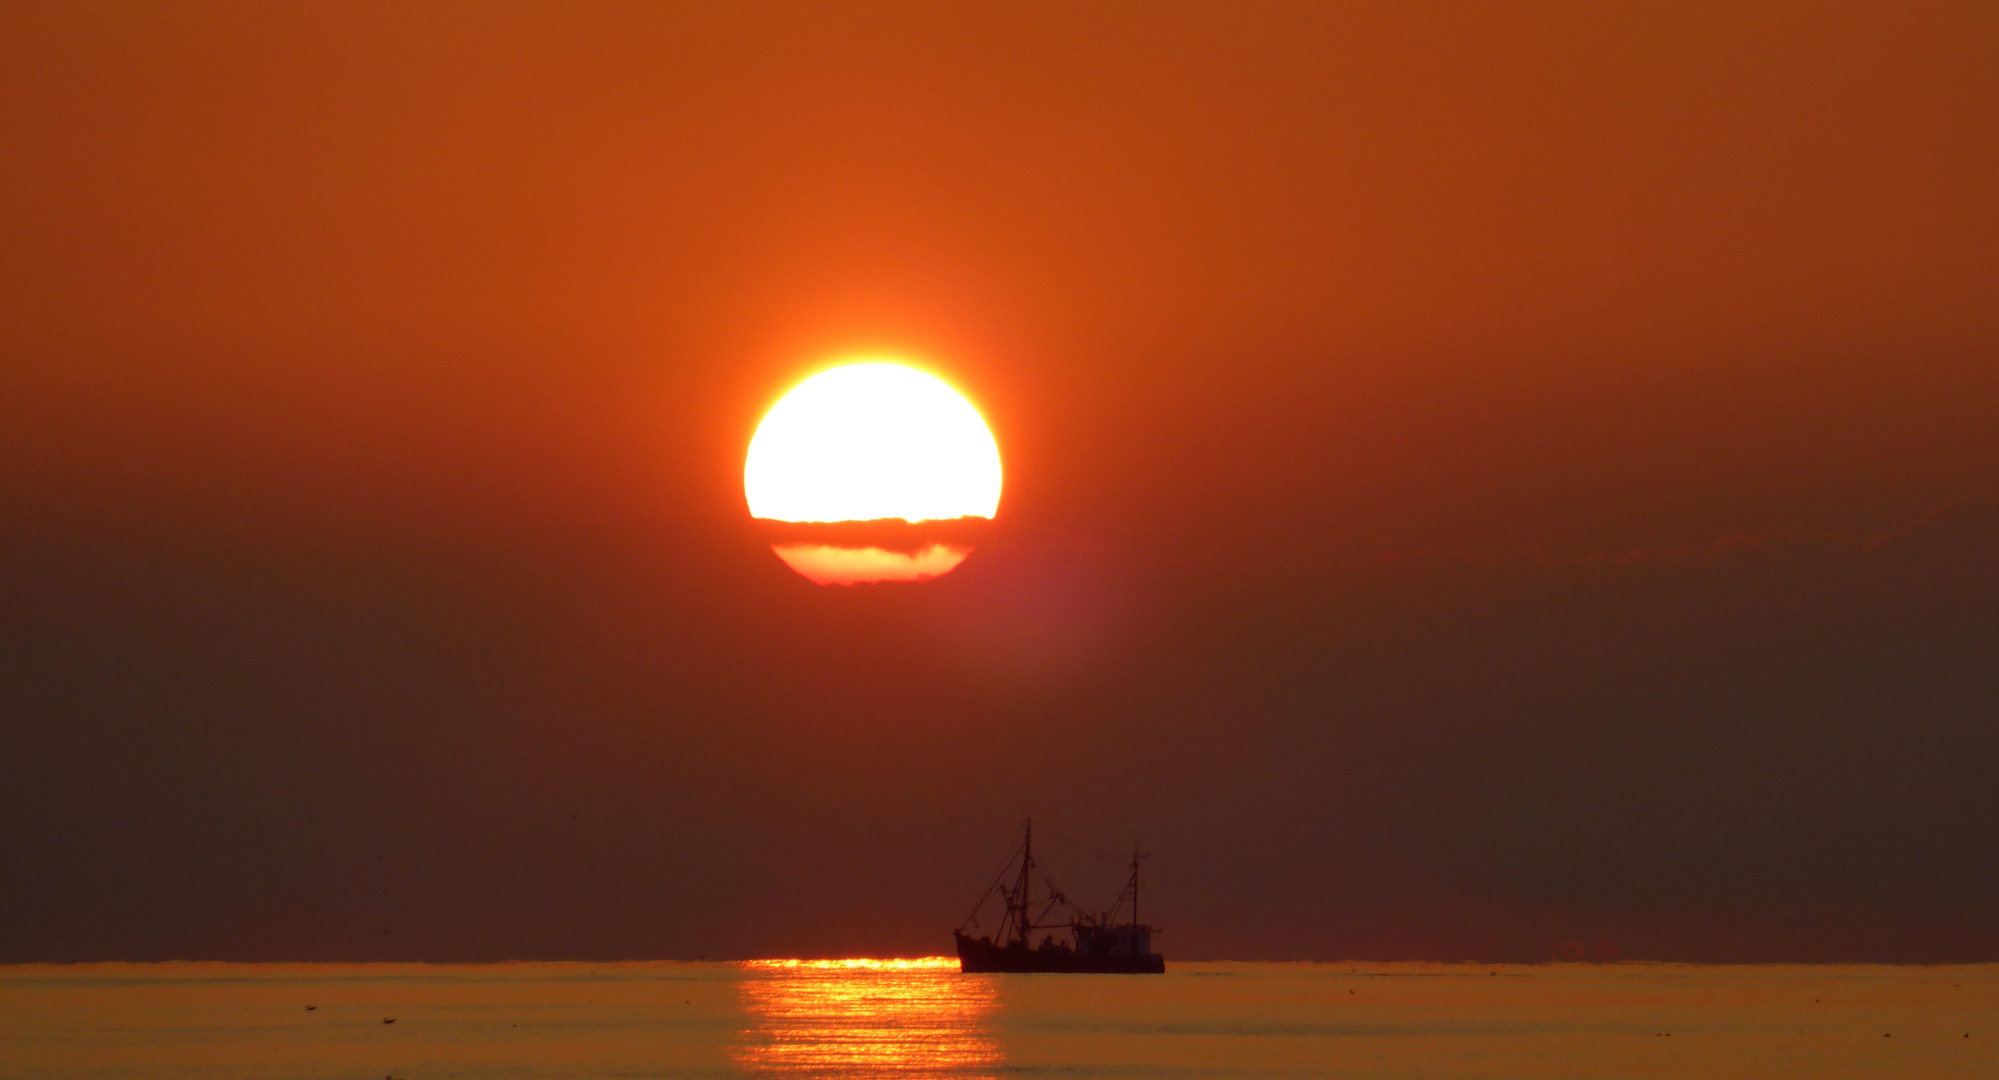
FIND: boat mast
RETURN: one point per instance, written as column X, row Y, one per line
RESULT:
column 1021, row 885
column 1134, row 884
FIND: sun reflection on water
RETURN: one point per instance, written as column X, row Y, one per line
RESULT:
column 867, row 1018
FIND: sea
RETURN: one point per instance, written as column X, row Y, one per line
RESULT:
column 923, row 1018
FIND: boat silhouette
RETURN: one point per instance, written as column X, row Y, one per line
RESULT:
column 1099, row 942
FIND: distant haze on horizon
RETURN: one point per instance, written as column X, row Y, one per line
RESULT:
column 1477, row 479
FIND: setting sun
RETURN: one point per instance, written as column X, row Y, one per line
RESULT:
column 1502, row 498
column 872, row 441
column 854, row 457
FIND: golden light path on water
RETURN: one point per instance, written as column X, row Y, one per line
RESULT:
column 921, row 1018
column 867, row 1018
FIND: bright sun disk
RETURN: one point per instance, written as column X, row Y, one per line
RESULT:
column 867, row 441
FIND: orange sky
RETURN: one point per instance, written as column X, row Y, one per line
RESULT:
column 379, row 372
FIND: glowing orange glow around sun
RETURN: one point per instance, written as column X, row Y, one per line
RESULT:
column 871, row 441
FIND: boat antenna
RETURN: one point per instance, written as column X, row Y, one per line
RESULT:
column 1130, row 889
column 1136, row 855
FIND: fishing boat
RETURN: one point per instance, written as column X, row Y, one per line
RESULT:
column 1107, row 942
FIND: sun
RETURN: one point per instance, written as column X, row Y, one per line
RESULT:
column 871, row 441
column 874, row 440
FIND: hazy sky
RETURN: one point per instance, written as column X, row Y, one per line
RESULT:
column 1477, row 477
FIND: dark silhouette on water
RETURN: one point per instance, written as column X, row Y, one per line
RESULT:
column 1099, row 942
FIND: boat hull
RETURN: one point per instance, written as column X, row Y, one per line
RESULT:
column 982, row 956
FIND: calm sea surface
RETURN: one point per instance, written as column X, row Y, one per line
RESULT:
column 923, row 1018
